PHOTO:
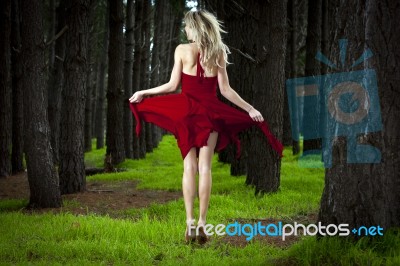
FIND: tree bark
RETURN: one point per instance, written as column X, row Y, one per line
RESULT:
column 101, row 88
column 301, row 35
column 100, row 27
column 291, row 54
column 155, row 61
column 95, row 79
column 247, row 22
column 115, row 90
column 128, row 65
column 51, row 32
column 222, row 12
column 177, row 12
column 72, row 165
column 17, row 92
column 165, row 47
column 56, row 83
column 88, row 104
column 312, row 67
column 364, row 194
column 147, row 141
column 42, row 176
column 294, row 58
column 240, row 39
column 5, row 89
column 269, row 92
column 324, row 32
column 89, row 79
column 166, row 29
column 138, row 150
column 301, row 32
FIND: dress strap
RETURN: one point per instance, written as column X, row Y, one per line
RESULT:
column 200, row 70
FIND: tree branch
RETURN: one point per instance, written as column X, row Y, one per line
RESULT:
column 58, row 35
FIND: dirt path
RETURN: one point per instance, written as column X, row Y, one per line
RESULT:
column 101, row 197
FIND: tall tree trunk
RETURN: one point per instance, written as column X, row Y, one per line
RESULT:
column 89, row 81
column 128, row 65
column 95, row 80
column 165, row 33
column 301, row 32
column 139, row 150
column 88, row 104
column 5, row 89
column 72, row 165
column 177, row 12
column 169, row 33
column 301, row 36
column 115, row 135
column 295, row 48
column 17, row 92
column 155, row 60
column 42, row 176
column 100, row 28
column 147, row 141
column 51, row 32
column 246, row 21
column 324, row 32
column 236, row 19
column 242, row 32
column 291, row 54
column 56, row 83
column 312, row 68
column 166, row 29
column 269, row 92
column 101, row 82
column 364, row 194
column 222, row 12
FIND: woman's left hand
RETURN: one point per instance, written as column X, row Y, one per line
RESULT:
column 256, row 115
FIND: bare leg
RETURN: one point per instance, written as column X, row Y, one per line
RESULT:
column 205, row 157
column 189, row 183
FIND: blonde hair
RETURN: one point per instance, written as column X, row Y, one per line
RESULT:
column 206, row 32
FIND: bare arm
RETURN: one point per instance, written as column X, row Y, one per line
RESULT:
column 170, row 86
column 232, row 95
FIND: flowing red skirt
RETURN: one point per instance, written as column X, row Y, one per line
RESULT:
column 196, row 112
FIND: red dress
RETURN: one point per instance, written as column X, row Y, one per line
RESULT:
column 196, row 112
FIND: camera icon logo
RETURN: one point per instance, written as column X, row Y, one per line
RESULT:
column 337, row 104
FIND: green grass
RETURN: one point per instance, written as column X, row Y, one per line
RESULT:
column 300, row 190
column 12, row 204
column 66, row 238
column 342, row 251
column 154, row 235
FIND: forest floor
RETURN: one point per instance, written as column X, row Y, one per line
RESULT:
column 100, row 197
column 112, row 197
column 137, row 216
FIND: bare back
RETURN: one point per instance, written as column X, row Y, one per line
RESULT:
column 189, row 61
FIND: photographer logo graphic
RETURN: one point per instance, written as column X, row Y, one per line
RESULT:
column 338, row 104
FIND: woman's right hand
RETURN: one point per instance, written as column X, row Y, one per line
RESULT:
column 137, row 97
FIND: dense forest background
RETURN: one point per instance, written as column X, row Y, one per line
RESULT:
column 69, row 67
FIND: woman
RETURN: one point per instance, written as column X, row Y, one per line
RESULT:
column 200, row 122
